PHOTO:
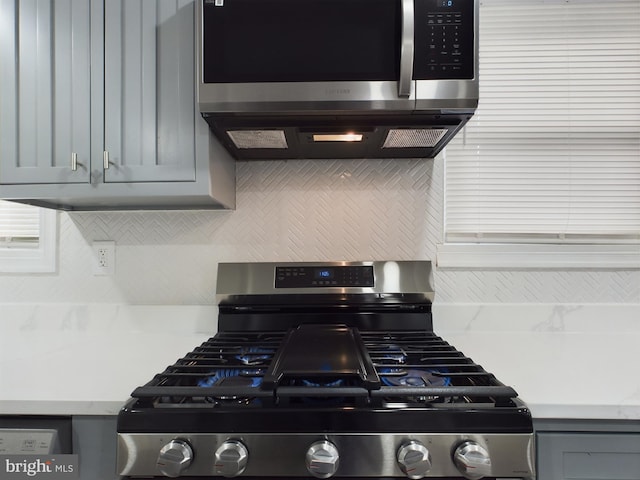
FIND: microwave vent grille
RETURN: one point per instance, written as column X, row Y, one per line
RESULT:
column 414, row 137
column 247, row 139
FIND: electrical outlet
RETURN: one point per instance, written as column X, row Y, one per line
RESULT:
column 104, row 257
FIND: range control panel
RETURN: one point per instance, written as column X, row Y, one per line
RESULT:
column 324, row 276
column 444, row 39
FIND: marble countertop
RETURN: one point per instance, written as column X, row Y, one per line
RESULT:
column 87, row 359
column 563, row 376
column 565, row 362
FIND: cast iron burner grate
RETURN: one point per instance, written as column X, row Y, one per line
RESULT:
column 325, row 361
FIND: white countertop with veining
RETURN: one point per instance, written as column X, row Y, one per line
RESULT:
column 566, row 362
column 87, row 359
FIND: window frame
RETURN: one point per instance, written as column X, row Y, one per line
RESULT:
column 538, row 256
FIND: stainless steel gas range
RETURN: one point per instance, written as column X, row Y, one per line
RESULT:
column 325, row 370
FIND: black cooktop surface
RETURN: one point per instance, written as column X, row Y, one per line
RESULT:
column 310, row 363
column 343, row 378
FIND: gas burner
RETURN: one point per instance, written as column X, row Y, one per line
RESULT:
column 398, row 377
column 393, row 353
column 254, row 355
column 234, row 378
column 230, row 377
column 320, row 382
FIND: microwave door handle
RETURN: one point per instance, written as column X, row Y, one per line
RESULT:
column 406, row 49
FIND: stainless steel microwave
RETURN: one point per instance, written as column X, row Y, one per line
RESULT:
column 336, row 78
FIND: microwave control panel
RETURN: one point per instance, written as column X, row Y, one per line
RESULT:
column 444, row 39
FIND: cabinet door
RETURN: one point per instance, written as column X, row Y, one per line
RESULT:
column 149, row 91
column 588, row 456
column 44, row 91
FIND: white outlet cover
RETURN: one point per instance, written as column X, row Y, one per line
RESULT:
column 103, row 251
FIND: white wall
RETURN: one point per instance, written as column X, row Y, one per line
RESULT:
column 288, row 211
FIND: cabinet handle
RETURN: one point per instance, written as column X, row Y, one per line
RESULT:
column 105, row 160
column 74, row 161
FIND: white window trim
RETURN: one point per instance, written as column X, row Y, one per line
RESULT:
column 41, row 259
column 538, row 256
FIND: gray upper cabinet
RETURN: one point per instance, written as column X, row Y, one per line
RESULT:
column 149, row 91
column 45, row 92
column 98, row 109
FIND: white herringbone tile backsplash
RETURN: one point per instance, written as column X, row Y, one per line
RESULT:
column 290, row 211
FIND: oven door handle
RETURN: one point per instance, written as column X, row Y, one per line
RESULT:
column 406, row 49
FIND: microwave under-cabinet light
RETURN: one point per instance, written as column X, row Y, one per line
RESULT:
column 337, row 137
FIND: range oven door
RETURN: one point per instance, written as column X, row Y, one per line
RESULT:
column 332, row 55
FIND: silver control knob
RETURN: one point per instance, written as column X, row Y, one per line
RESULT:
column 230, row 459
column 472, row 460
column 414, row 460
column 322, row 459
column 174, row 458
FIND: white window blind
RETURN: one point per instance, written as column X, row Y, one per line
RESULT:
column 27, row 239
column 553, row 152
column 19, row 224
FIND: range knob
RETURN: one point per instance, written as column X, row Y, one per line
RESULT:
column 322, row 459
column 174, row 458
column 414, row 460
column 472, row 460
column 230, row 459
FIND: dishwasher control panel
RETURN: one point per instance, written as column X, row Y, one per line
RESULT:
column 25, row 441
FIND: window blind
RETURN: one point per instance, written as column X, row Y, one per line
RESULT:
column 18, row 223
column 553, row 152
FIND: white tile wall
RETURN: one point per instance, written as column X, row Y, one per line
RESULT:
column 291, row 210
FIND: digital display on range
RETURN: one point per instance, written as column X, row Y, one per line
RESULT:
column 445, row 3
column 324, row 273
column 317, row 276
